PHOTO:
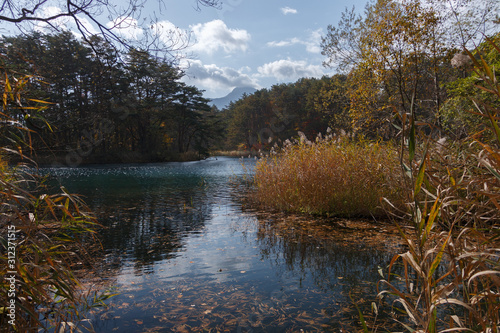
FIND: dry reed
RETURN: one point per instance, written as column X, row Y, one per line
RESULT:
column 451, row 279
column 43, row 237
column 334, row 176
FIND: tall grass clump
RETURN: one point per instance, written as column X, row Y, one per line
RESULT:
column 334, row 176
column 451, row 271
column 44, row 237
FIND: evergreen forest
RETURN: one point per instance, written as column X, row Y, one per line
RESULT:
column 88, row 103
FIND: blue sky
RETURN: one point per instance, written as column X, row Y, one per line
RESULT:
column 254, row 43
column 264, row 42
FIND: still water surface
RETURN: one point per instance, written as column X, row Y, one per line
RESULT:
column 185, row 254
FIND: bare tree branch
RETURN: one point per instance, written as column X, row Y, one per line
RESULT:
column 25, row 13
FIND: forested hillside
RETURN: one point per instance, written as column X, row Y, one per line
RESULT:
column 100, row 105
column 103, row 106
column 395, row 60
column 268, row 116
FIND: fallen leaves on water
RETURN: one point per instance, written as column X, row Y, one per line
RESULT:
column 198, row 306
column 217, row 307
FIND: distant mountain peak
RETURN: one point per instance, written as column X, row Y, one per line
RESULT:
column 233, row 96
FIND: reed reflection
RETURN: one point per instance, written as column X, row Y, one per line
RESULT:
column 340, row 257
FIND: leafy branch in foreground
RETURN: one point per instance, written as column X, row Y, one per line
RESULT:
column 41, row 234
column 451, row 279
column 86, row 17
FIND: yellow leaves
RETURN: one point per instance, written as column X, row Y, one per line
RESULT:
column 39, row 101
column 7, row 92
column 13, row 91
column 396, row 38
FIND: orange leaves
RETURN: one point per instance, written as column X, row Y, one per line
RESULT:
column 330, row 177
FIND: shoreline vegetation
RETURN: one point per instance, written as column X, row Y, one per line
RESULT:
column 448, row 192
column 50, row 239
column 116, row 158
column 133, row 107
column 332, row 176
column 236, row 153
column 134, row 158
column 425, row 152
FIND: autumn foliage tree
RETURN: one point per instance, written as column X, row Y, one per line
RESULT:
column 269, row 116
column 397, row 58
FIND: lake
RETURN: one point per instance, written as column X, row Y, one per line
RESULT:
column 186, row 253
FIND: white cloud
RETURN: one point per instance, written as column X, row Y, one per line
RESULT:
column 288, row 10
column 312, row 43
column 64, row 23
column 284, row 43
column 214, row 79
column 290, row 70
column 59, row 23
column 51, row 11
column 215, row 35
column 245, row 69
column 170, row 35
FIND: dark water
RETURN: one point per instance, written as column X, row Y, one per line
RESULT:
column 186, row 255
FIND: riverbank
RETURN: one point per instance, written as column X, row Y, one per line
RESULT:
column 449, row 202
column 73, row 159
column 235, row 153
column 184, row 253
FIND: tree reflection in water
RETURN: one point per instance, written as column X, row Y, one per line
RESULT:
column 184, row 254
column 340, row 257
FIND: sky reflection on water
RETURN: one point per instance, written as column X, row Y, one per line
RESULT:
column 186, row 256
